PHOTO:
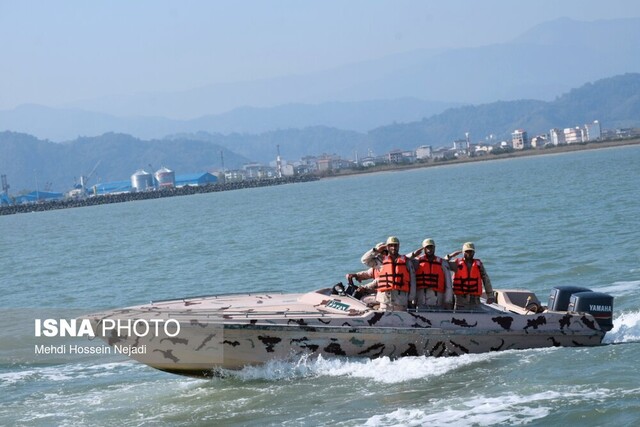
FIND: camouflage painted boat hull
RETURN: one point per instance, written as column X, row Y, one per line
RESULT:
column 233, row 331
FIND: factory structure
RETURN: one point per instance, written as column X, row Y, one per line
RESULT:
column 163, row 178
column 140, row 181
column 317, row 165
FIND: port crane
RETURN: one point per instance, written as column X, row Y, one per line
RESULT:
column 81, row 190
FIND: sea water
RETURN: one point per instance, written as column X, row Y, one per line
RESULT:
column 537, row 222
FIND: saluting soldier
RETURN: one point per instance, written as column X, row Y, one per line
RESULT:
column 469, row 277
column 433, row 278
column 396, row 284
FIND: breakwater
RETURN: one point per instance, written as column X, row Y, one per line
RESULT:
column 154, row 194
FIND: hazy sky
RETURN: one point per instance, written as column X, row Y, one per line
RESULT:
column 56, row 52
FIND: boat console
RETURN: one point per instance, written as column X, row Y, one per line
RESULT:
column 519, row 301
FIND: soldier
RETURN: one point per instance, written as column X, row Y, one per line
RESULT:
column 373, row 259
column 469, row 276
column 433, row 278
column 396, row 285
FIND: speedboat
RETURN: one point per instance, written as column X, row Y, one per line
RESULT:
column 201, row 336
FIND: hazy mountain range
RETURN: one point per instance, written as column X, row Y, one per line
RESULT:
column 541, row 64
column 25, row 159
column 67, row 124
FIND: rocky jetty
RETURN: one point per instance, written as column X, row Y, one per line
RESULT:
column 145, row 195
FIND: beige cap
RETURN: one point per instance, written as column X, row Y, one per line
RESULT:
column 428, row 242
column 469, row 246
column 393, row 240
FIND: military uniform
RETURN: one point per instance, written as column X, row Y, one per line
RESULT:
column 469, row 277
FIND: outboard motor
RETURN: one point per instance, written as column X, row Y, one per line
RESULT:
column 598, row 304
column 560, row 295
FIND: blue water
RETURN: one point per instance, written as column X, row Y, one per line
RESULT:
column 538, row 222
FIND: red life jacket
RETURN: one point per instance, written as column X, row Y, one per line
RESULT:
column 394, row 275
column 465, row 281
column 429, row 274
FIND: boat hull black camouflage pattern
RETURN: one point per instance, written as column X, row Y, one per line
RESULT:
column 233, row 331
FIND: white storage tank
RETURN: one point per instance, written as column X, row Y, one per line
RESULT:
column 166, row 178
column 141, row 181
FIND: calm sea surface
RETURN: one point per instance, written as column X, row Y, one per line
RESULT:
column 568, row 219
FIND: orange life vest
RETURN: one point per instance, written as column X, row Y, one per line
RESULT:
column 465, row 281
column 394, row 275
column 429, row 274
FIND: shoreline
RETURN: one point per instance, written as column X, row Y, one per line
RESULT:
column 598, row 145
column 147, row 195
column 184, row 191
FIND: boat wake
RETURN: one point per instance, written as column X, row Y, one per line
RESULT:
column 383, row 370
column 63, row 373
column 626, row 329
column 513, row 408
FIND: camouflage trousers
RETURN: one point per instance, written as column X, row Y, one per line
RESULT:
column 393, row 300
column 428, row 298
column 467, row 302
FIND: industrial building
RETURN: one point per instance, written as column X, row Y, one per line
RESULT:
column 115, row 187
column 38, row 196
column 143, row 181
column 195, row 179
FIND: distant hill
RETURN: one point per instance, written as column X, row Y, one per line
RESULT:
column 25, row 159
column 58, row 124
column 294, row 143
column 355, row 116
column 614, row 101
